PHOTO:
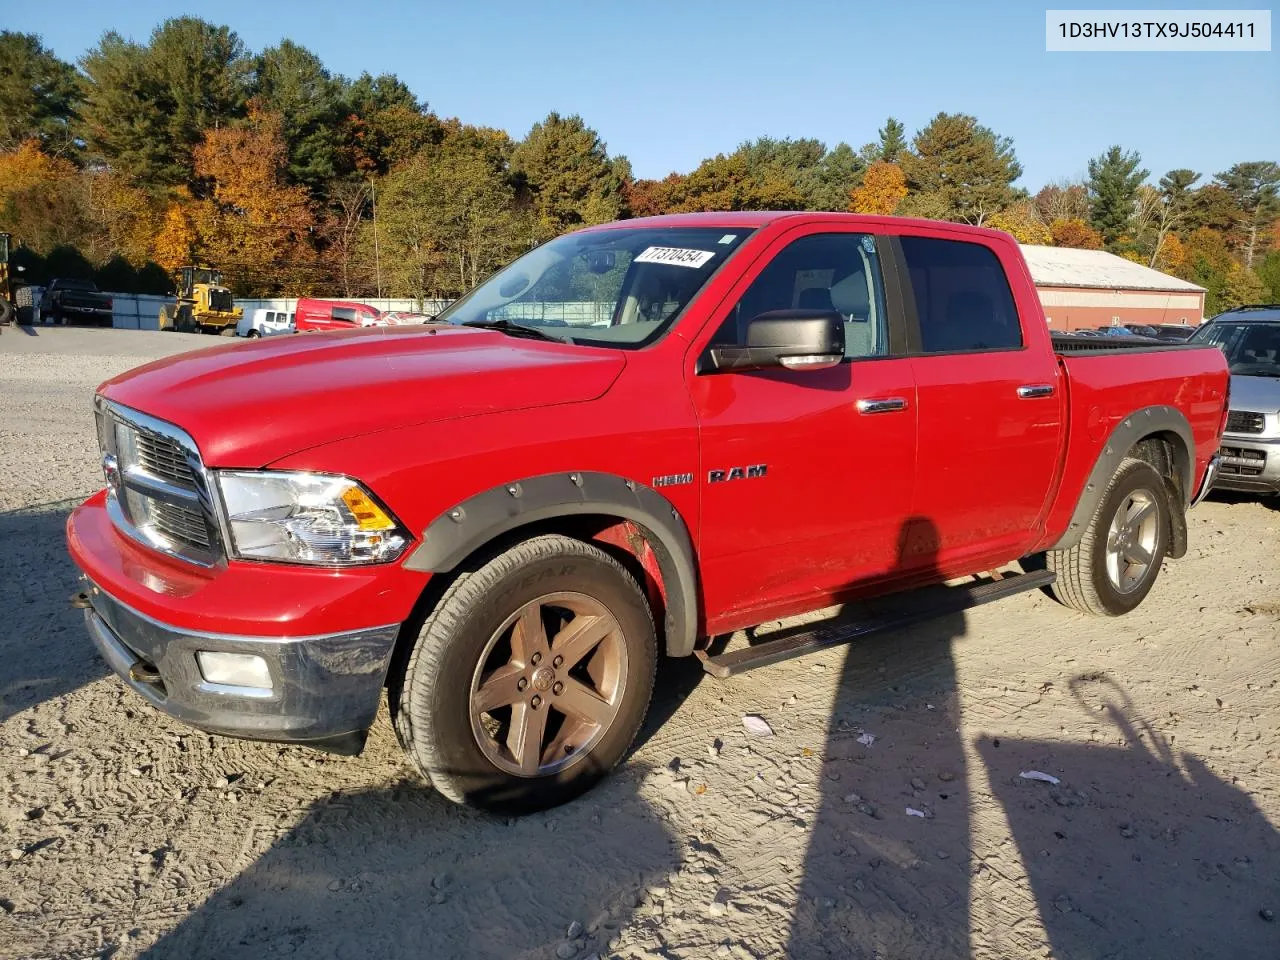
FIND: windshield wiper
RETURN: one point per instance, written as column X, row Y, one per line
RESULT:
column 515, row 330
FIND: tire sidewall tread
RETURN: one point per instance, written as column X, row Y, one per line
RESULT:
column 1082, row 581
column 431, row 709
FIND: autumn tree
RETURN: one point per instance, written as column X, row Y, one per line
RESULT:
column 1074, row 233
column 1163, row 210
column 650, row 198
column 1240, row 286
column 122, row 220
column 964, row 165
column 1207, row 262
column 566, row 168
column 1064, row 200
column 250, row 219
column 1022, row 221
column 350, row 202
column 38, row 95
column 39, row 202
column 291, row 81
column 732, row 182
column 883, row 187
column 1170, row 255
column 1255, row 188
column 147, row 107
column 1212, row 206
column 1114, row 178
column 387, row 125
column 445, row 220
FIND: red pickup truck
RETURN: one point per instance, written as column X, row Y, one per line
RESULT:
column 634, row 438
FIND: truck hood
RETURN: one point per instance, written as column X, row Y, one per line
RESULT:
column 250, row 403
column 1257, row 394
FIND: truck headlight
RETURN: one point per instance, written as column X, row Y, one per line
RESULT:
column 307, row 518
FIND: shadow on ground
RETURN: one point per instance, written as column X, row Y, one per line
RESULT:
column 879, row 882
column 44, row 650
column 1140, row 851
column 363, row 875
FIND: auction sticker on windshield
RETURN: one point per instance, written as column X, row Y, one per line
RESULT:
column 676, row 256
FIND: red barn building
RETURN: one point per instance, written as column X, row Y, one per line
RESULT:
column 1093, row 288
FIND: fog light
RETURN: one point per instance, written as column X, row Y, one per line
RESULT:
column 234, row 669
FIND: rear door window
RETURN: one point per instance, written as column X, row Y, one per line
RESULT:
column 962, row 296
column 344, row 314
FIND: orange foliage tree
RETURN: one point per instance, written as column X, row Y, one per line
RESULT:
column 39, row 202
column 1075, row 233
column 1171, row 255
column 1022, row 221
column 884, row 186
column 250, row 221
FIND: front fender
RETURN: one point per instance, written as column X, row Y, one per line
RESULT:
column 461, row 530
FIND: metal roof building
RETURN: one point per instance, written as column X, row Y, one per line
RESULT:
column 1093, row 288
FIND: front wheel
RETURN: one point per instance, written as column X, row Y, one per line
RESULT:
column 529, row 680
column 1115, row 564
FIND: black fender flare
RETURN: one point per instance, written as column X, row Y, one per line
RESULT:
column 462, row 529
column 1126, row 434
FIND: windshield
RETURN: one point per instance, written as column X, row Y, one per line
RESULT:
column 621, row 287
column 1251, row 349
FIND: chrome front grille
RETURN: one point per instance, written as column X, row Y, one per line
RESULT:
column 158, row 490
column 163, row 458
column 181, row 524
column 1245, row 421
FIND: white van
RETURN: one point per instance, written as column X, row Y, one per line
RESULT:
column 264, row 323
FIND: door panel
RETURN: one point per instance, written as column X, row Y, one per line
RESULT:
column 987, row 456
column 990, row 409
column 804, row 493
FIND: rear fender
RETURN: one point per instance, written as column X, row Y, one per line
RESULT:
column 1149, row 422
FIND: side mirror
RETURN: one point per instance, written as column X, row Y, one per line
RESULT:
column 791, row 339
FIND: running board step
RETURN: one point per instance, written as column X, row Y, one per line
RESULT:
column 948, row 600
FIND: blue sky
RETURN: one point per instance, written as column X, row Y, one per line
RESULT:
column 668, row 83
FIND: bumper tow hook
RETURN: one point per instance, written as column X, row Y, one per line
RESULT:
column 81, row 600
column 142, row 673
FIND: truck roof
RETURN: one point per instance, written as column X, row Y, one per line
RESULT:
column 752, row 219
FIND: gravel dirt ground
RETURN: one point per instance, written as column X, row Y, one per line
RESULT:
column 887, row 815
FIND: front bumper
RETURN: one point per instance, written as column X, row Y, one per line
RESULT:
column 1249, row 465
column 322, row 688
column 326, row 636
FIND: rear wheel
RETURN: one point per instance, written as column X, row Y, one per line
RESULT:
column 529, row 680
column 254, row 334
column 1115, row 564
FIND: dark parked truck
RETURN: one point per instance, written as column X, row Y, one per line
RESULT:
column 633, row 438
column 77, row 300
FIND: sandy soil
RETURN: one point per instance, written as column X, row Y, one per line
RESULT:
column 124, row 834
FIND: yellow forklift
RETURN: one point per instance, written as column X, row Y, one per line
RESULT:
column 202, row 304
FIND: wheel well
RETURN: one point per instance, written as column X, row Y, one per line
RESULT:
column 622, row 539
column 1167, row 453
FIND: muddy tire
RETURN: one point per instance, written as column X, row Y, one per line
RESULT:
column 529, row 680
column 1115, row 564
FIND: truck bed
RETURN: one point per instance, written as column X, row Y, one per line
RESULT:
column 1063, row 343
